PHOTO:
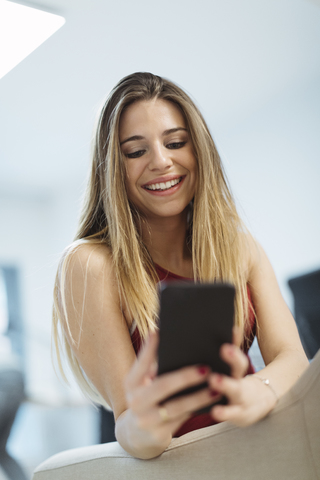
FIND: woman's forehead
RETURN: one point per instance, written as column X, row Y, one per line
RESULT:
column 144, row 115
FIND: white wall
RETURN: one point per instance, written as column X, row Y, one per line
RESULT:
column 35, row 229
column 273, row 162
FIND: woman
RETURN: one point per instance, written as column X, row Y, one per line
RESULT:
column 157, row 206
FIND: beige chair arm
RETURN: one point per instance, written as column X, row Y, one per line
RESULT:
column 284, row 445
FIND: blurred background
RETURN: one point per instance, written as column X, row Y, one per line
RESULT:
column 253, row 68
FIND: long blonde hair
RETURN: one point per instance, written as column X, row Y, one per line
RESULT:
column 108, row 217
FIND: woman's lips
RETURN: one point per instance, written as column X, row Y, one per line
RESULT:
column 164, row 191
column 163, row 179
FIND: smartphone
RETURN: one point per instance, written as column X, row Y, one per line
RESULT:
column 195, row 320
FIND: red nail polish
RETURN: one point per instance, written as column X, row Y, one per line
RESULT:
column 203, row 369
column 214, row 393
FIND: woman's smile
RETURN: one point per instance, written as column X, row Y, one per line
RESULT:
column 164, row 186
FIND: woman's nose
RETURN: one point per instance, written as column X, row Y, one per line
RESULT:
column 160, row 159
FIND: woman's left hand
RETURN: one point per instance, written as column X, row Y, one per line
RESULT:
column 249, row 399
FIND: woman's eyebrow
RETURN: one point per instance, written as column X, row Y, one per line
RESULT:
column 173, row 130
column 131, row 139
column 140, row 137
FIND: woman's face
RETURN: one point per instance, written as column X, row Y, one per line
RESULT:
column 160, row 163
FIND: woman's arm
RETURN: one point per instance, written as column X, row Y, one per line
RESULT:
column 101, row 337
column 249, row 398
column 104, row 350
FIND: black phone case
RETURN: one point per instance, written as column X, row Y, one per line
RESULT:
column 195, row 320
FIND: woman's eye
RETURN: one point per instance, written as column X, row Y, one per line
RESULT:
column 136, row 154
column 176, row 145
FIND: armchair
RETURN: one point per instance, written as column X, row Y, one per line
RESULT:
column 285, row 444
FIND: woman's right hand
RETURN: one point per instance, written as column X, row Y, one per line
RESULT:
column 150, row 420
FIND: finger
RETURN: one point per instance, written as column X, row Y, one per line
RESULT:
column 152, row 420
column 228, row 386
column 166, row 385
column 229, row 413
column 176, row 410
column 237, row 360
column 144, row 366
column 187, row 404
column 153, row 369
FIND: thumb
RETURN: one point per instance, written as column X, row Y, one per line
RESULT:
column 144, row 366
column 236, row 336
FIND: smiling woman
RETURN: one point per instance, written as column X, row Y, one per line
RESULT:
column 158, row 207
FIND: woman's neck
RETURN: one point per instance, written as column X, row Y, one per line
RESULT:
column 165, row 239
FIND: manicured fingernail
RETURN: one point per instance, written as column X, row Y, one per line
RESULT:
column 203, row 369
column 214, row 393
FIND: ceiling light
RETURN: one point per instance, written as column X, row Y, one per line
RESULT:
column 22, row 30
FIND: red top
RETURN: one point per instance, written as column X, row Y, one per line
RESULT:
column 202, row 420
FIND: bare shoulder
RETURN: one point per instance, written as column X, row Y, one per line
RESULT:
column 89, row 257
column 259, row 265
column 251, row 254
column 87, row 266
column 277, row 331
column 259, row 271
column 87, row 279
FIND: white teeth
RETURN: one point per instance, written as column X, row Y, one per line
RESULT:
column 163, row 186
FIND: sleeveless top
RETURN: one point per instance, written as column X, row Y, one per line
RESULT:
column 196, row 421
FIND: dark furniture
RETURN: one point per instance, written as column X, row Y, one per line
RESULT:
column 11, row 376
column 10, row 275
column 107, row 426
column 306, row 292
